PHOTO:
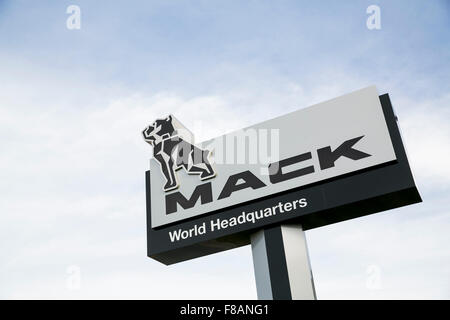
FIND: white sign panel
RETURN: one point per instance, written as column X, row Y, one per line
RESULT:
column 324, row 141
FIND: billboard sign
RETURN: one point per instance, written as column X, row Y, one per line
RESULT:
column 307, row 167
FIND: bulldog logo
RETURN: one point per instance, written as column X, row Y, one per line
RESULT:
column 172, row 150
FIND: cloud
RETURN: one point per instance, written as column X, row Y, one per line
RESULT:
column 72, row 158
column 427, row 136
column 74, row 196
column 398, row 242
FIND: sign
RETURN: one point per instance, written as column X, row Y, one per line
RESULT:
column 333, row 161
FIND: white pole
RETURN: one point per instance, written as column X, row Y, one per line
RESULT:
column 281, row 263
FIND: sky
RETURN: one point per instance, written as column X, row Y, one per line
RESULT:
column 74, row 101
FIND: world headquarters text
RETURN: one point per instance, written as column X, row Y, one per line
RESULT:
column 244, row 217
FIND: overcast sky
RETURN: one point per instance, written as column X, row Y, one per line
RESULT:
column 73, row 103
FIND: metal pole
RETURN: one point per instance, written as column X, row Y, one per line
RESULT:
column 281, row 263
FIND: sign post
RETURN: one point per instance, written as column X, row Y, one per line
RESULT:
column 331, row 162
column 281, row 263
